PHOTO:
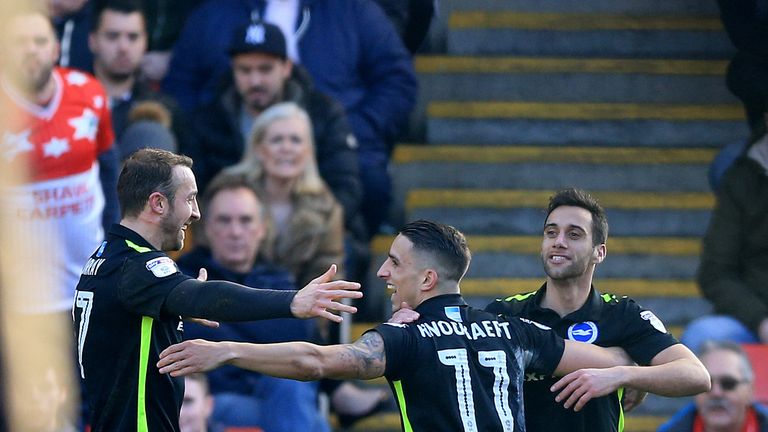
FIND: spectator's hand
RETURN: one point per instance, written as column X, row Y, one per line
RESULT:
column 154, row 65
column 579, row 387
column 202, row 276
column 404, row 315
column 322, row 295
column 762, row 331
column 632, row 398
column 192, row 356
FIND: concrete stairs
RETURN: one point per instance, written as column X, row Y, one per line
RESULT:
column 623, row 98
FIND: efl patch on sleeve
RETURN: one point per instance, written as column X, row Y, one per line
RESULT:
column 655, row 321
column 161, row 267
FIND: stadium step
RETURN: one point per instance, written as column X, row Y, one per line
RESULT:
column 634, row 7
column 586, row 34
column 560, row 79
column 592, row 168
column 607, row 124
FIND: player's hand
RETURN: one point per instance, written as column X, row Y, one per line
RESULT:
column 632, row 398
column 202, row 276
column 321, row 296
column 579, row 387
column 192, row 356
column 404, row 315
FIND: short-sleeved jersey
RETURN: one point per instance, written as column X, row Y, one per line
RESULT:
column 63, row 199
column 459, row 368
column 121, row 330
column 604, row 320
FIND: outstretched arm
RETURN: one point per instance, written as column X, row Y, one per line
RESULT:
column 363, row 359
column 674, row 372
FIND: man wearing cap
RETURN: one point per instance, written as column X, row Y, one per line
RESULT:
column 262, row 75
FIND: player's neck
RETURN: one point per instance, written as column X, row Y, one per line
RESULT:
column 41, row 97
column 568, row 295
column 145, row 228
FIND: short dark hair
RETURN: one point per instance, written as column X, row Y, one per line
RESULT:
column 447, row 244
column 147, row 171
column 579, row 198
column 225, row 181
column 120, row 6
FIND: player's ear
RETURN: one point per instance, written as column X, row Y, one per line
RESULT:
column 430, row 279
column 158, row 203
column 599, row 253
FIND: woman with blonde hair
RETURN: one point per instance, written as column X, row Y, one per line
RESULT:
column 306, row 234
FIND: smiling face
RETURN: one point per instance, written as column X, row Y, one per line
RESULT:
column 723, row 409
column 566, row 249
column 285, row 149
column 234, row 228
column 403, row 272
column 30, row 52
column 182, row 211
column 118, row 44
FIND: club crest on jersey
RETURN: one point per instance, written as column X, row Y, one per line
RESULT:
column 583, row 332
column 161, row 267
column 654, row 320
column 453, row 313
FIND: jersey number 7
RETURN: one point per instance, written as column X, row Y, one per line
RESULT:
column 84, row 301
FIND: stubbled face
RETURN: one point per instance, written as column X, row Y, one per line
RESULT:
column 30, row 52
column 260, row 78
column 197, row 407
column 118, row 44
column 566, row 249
column 234, row 228
column 285, row 149
column 723, row 409
column 183, row 210
column 402, row 272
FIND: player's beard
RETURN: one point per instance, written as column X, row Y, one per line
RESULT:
column 33, row 81
column 173, row 238
column 575, row 268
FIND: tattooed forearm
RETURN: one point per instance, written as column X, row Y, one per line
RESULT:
column 366, row 356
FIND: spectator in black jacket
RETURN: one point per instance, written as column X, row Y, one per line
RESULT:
column 262, row 76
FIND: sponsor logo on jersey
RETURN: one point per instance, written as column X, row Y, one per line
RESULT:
column 453, row 313
column 654, row 320
column 161, row 267
column 583, row 332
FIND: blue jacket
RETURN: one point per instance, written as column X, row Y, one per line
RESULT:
column 682, row 421
column 349, row 47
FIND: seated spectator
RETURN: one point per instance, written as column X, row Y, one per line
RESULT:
column 118, row 42
column 306, row 232
column 149, row 126
column 234, row 227
column 729, row 405
column 197, row 407
column 733, row 273
column 350, row 49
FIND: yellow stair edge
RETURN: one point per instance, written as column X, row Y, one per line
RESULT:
column 674, row 246
column 489, row 65
column 515, row 198
column 577, row 21
column 585, row 111
column 507, row 154
column 391, row 422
